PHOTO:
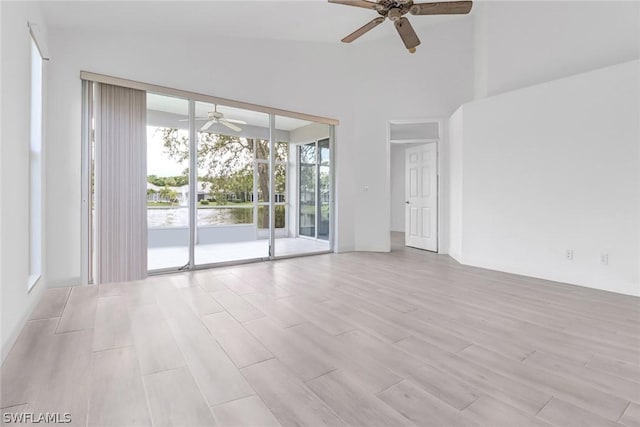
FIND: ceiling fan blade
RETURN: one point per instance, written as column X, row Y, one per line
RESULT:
column 407, row 34
column 240, row 122
column 231, row 126
column 207, row 125
column 357, row 3
column 362, row 30
column 442, row 8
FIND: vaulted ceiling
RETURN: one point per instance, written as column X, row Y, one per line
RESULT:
column 301, row 20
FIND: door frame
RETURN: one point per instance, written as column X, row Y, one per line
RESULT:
column 442, row 156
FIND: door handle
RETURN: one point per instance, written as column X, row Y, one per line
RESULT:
column 407, row 202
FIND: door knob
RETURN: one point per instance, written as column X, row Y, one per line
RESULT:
column 407, row 202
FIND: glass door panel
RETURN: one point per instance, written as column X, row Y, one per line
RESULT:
column 281, row 178
column 262, row 191
column 299, row 212
column 167, row 182
column 232, row 185
column 307, row 190
column 324, row 189
column 262, row 188
column 281, row 201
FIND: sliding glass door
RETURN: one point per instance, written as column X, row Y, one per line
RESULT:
column 168, row 182
column 209, row 192
column 232, row 184
column 223, row 184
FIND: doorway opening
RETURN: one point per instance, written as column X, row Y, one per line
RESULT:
column 415, row 207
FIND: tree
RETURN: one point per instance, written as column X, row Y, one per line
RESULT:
column 171, row 181
column 227, row 162
column 168, row 195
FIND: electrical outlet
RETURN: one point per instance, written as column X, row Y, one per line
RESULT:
column 604, row 259
column 569, row 254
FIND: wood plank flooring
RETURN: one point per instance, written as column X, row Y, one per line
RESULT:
column 406, row 338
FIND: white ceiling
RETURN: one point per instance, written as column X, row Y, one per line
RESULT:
column 179, row 106
column 300, row 20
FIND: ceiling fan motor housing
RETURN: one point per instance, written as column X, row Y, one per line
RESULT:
column 393, row 9
column 395, row 14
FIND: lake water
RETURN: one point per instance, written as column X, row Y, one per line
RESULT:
column 179, row 216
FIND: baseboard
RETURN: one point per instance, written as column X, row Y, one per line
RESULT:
column 374, row 248
column 10, row 341
column 550, row 278
column 456, row 256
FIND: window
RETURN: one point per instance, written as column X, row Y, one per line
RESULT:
column 35, row 169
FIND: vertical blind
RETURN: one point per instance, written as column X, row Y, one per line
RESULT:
column 120, row 183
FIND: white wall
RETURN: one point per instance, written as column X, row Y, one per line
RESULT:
column 432, row 83
column 397, row 188
column 15, row 87
column 521, row 43
column 554, row 167
column 454, row 178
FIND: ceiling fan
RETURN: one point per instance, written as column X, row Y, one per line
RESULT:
column 217, row 117
column 395, row 11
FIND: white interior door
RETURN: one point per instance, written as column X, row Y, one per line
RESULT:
column 421, row 191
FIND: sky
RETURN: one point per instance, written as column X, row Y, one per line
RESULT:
column 158, row 161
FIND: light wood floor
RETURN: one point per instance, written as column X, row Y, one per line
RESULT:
column 407, row 338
